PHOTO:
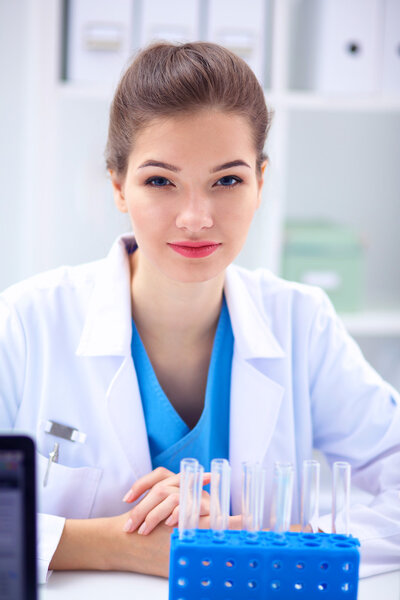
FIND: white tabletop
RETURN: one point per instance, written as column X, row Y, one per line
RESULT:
column 80, row 585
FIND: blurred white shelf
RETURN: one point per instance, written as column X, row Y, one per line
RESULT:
column 373, row 323
column 308, row 100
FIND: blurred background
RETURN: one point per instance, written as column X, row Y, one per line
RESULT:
column 331, row 74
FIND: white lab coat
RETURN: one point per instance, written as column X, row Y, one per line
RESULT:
column 298, row 382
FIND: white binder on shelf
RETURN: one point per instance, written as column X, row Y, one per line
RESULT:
column 241, row 27
column 170, row 20
column 348, row 48
column 99, row 40
column 391, row 47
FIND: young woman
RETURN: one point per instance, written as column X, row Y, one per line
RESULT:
column 165, row 350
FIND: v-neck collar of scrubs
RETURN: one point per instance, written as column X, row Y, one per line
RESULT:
column 170, row 438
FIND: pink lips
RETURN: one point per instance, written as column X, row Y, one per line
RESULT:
column 197, row 249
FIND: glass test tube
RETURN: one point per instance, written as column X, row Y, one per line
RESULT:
column 341, row 497
column 282, row 497
column 310, row 494
column 219, row 494
column 191, row 485
column 252, row 496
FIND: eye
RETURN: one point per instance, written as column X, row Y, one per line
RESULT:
column 157, row 181
column 228, row 181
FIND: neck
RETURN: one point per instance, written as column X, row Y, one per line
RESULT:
column 171, row 312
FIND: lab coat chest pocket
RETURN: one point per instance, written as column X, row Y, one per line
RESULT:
column 69, row 491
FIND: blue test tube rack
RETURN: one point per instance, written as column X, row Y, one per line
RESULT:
column 237, row 565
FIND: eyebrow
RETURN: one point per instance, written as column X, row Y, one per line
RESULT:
column 163, row 165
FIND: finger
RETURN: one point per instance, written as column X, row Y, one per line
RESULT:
column 173, row 519
column 205, row 504
column 204, row 510
column 146, row 482
column 155, row 496
column 206, row 478
column 159, row 513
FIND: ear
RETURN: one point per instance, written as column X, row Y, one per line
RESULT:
column 118, row 191
column 260, row 182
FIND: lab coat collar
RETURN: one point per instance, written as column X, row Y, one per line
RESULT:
column 251, row 330
column 108, row 326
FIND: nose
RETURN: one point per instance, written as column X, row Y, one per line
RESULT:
column 195, row 213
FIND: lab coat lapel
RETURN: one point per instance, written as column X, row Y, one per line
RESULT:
column 107, row 332
column 255, row 404
column 126, row 415
column 255, row 396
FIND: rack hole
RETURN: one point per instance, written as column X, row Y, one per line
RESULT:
column 343, row 545
column 346, row 587
column 300, row 565
column 312, row 544
column 205, row 582
column 279, row 543
column 182, row 561
column 324, row 566
column 298, row 585
column 276, row 564
column 321, row 587
column 252, row 584
column 230, row 563
column 275, row 585
column 253, row 564
column 206, row 562
column 228, row 583
column 182, row 582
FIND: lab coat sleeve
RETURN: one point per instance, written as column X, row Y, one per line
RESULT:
column 12, row 365
column 12, row 379
column 49, row 528
column 356, row 417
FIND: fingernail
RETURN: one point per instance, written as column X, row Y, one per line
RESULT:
column 143, row 528
column 128, row 525
column 170, row 520
column 128, row 496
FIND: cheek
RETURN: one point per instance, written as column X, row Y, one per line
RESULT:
column 144, row 215
column 239, row 213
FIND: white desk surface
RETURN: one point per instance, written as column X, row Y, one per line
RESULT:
column 80, row 585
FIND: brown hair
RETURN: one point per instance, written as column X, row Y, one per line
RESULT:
column 168, row 79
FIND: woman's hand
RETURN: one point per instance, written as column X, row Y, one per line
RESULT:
column 161, row 502
column 101, row 544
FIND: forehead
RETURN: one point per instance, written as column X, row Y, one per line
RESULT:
column 204, row 135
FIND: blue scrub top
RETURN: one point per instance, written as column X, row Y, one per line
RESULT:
column 170, row 439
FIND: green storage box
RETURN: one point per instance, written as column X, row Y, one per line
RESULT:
column 327, row 255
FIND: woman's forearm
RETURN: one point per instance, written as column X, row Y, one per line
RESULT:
column 101, row 544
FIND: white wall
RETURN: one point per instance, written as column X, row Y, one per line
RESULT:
column 13, row 77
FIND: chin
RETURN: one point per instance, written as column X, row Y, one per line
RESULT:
column 196, row 273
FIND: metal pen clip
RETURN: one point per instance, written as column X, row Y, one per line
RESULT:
column 53, row 457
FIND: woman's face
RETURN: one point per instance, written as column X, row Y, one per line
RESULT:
column 191, row 190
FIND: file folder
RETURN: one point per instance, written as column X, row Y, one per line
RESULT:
column 391, row 47
column 241, row 27
column 348, row 46
column 99, row 40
